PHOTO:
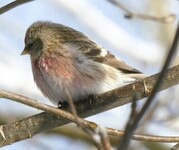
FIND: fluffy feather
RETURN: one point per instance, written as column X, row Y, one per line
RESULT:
column 62, row 58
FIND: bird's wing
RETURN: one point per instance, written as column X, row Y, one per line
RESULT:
column 98, row 54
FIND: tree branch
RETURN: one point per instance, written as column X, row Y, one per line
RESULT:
column 130, row 15
column 131, row 126
column 28, row 127
column 13, row 5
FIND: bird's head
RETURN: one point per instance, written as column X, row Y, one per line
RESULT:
column 39, row 38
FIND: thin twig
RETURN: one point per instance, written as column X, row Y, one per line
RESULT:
column 129, row 14
column 133, row 110
column 84, row 127
column 119, row 133
column 102, row 131
column 143, row 137
column 39, row 105
column 13, row 5
column 129, row 130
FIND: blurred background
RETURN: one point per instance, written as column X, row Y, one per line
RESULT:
column 143, row 44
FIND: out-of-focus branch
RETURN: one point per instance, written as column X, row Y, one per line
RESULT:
column 145, row 138
column 13, row 5
column 28, row 127
column 91, row 132
column 176, row 147
column 129, row 14
column 131, row 127
column 70, row 130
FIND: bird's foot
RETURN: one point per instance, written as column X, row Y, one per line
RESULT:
column 63, row 104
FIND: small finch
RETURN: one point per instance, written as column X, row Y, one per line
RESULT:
column 63, row 58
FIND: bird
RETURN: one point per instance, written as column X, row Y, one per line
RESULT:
column 64, row 58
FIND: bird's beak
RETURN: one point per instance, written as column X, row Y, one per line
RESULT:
column 25, row 52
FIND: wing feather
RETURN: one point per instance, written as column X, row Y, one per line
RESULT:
column 98, row 54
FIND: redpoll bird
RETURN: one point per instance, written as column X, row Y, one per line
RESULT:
column 63, row 58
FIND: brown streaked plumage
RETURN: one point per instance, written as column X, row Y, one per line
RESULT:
column 63, row 58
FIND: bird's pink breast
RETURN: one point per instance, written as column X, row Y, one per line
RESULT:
column 53, row 74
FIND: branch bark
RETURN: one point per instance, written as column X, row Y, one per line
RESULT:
column 30, row 126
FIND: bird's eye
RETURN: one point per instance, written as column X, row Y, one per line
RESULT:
column 34, row 46
column 29, row 46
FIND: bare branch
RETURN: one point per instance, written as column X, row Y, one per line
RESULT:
column 118, row 134
column 90, row 131
column 102, row 131
column 39, row 105
column 144, row 138
column 17, row 131
column 13, row 5
column 130, row 128
column 129, row 14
